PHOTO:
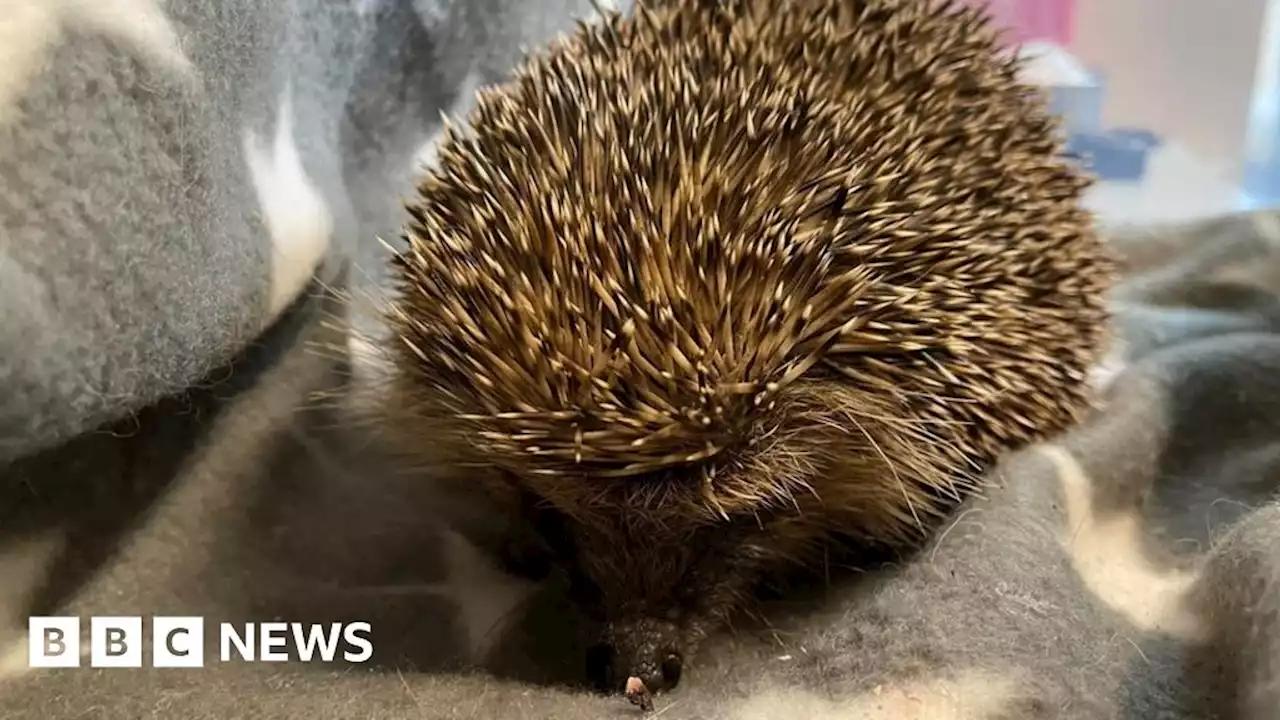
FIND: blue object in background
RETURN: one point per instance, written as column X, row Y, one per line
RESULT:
column 1079, row 106
column 1118, row 154
column 1076, row 95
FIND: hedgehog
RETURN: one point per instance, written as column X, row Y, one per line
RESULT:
column 711, row 286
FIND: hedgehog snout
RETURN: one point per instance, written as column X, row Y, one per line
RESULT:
column 645, row 650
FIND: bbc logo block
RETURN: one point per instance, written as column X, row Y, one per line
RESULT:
column 115, row 642
column 179, row 642
column 53, row 642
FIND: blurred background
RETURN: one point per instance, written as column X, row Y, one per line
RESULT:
column 1175, row 103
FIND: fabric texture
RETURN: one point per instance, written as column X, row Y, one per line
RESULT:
column 171, row 174
column 177, row 437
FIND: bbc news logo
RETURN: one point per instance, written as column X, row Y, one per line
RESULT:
column 178, row 642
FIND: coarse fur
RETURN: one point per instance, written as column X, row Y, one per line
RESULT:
column 709, row 286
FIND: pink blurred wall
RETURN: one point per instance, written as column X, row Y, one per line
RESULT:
column 1035, row 19
column 1183, row 68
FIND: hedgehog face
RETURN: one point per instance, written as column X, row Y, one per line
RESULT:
column 725, row 277
column 662, row 558
column 659, row 587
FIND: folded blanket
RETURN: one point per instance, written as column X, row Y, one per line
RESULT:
column 175, row 420
column 171, row 174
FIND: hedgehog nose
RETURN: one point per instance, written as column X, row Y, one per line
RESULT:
column 659, row 674
column 649, row 677
column 641, row 655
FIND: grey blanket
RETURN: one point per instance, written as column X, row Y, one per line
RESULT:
column 183, row 189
